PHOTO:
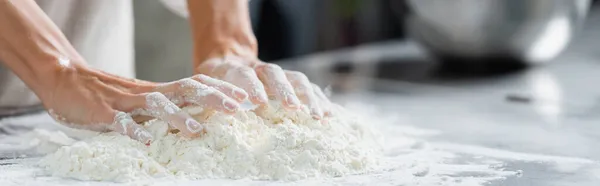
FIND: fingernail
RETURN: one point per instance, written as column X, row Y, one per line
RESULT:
column 262, row 98
column 292, row 101
column 316, row 113
column 146, row 141
column 240, row 95
column 171, row 108
column 193, row 126
column 230, row 105
column 143, row 136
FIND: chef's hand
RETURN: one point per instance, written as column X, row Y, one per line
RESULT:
column 263, row 80
column 90, row 99
column 225, row 48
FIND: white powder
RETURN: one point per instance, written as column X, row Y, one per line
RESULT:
column 282, row 146
column 412, row 156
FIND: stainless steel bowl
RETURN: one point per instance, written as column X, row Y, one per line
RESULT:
column 529, row 30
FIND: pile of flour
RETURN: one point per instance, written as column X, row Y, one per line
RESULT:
column 279, row 145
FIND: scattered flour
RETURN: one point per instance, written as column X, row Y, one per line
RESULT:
column 280, row 145
column 410, row 156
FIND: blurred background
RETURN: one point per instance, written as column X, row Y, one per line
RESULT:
column 284, row 28
column 292, row 28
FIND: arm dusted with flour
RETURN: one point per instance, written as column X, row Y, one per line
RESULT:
column 34, row 48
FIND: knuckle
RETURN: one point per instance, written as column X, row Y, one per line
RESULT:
column 272, row 67
column 294, row 73
column 200, row 77
column 240, row 74
column 158, row 104
column 298, row 76
column 154, row 99
column 198, row 95
column 186, row 82
column 210, row 82
column 122, row 118
column 303, row 89
column 217, row 95
column 155, row 95
column 224, row 85
column 209, row 90
column 242, row 70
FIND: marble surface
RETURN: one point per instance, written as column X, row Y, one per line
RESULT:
column 550, row 109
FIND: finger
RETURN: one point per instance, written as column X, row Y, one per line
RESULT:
column 158, row 106
column 124, row 124
column 277, row 85
column 191, row 92
column 304, row 91
column 223, row 86
column 323, row 100
column 246, row 78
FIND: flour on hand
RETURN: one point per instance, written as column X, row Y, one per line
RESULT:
column 278, row 145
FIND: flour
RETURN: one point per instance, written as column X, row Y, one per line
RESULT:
column 280, row 145
column 412, row 155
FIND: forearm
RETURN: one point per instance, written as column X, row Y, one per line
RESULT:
column 220, row 28
column 31, row 44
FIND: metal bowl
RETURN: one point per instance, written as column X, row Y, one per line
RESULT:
column 529, row 30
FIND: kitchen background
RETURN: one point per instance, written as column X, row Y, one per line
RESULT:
column 284, row 28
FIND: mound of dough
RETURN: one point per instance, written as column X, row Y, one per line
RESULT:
column 280, row 145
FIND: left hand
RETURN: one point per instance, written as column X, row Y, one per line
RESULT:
column 263, row 80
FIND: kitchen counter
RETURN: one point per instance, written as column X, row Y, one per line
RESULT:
column 550, row 109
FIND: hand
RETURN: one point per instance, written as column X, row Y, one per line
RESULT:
column 219, row 33
column 262, row 80
column 90, row 99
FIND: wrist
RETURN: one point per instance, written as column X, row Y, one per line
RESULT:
column 208, row 51
column 48, row 75
column 221, row 28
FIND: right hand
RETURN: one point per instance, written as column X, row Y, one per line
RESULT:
column 94, row 100
column 262, row 80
